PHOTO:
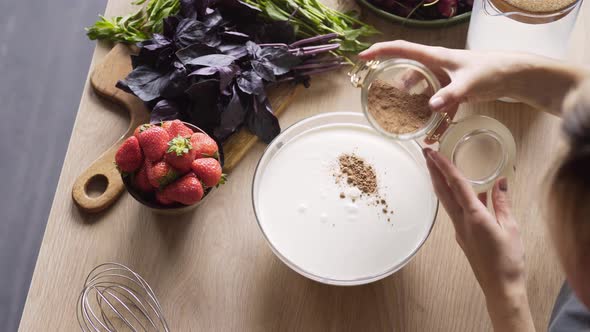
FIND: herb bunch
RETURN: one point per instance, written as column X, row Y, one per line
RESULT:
column 311, row 18
column 135, row 27
column 212, row 63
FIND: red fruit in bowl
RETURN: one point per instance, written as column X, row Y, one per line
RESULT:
column 141, row 128
column 187, row 190
column 176, row 127
column 154, row 143
column 141, row 181
column 204, row 145
column 129, row 157
column 447, row 8
column 180, row 154
column 209, row 171
column 160, row 174
column 160, row 198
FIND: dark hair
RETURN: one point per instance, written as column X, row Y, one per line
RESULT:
column 570, row 189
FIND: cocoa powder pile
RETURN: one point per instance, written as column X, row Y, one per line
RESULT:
column 358, row 173
column 396, row 111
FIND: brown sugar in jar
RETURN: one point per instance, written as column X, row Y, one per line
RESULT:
column 396, row 111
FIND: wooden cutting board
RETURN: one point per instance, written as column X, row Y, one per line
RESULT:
column 115, row 66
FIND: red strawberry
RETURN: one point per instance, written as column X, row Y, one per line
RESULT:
column 160, row 198
column 160, row 174
column 140, row 129
column 204, row 145
column 154, row 142
column 176, row 127
column 187, row 190
column 129, row 157
column 141, row 182
column 209, row 171
column 180, row 154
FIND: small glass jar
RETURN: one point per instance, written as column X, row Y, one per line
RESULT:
column 481, row 147
column 501, row 25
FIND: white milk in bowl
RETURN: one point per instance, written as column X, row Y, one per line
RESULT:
column 328, row 229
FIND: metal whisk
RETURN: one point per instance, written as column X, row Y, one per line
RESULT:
column 115, row 298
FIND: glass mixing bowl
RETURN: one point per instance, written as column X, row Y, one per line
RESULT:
column 416, row 230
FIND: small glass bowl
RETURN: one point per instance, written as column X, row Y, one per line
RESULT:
column 148, row 199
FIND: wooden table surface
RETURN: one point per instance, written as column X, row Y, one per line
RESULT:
column 212, row 269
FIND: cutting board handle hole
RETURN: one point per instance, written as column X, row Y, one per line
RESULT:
column 96, row 185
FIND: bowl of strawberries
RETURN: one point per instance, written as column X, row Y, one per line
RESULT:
column 171, row 166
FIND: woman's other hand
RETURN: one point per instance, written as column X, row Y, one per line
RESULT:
column 470, row 76
column 492, row 244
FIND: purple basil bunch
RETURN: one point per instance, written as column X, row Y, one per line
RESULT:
column 213, row 61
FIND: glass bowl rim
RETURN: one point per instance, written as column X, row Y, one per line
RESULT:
column 301, row 271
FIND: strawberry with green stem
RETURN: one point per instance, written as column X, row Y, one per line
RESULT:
column 180, row 154
column 140, row 129
column 204, row 146
column 208, row 170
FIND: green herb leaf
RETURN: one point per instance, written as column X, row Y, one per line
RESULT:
column 135, row 27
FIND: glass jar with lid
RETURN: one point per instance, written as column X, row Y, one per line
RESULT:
column 480, row 146
column 539, row 27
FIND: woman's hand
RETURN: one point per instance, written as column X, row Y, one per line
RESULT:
column 470, row 76
column 492, row 244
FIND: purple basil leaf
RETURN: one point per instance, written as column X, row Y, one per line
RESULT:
column 226, row 74
column 279, row 59
column 262, row 122
column 235, row 50
column 234, row 36
column 264, row 69
column 252, row 49
column 204, row 110
column 163, row 111
column 212, row 60
column 251, row 83
column 146, row 83
column 204, row 71
column 157, row 42
column 232, row 116
column 204, row 90
column 155, row 52
column 195, row 9
column 213, row 20
column 194, row 51
column 177, row 83
column 170, row 24
column 188, row 8
column 189, row 32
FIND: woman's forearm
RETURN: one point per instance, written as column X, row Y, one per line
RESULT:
column 510, row 311
column 544, row 83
